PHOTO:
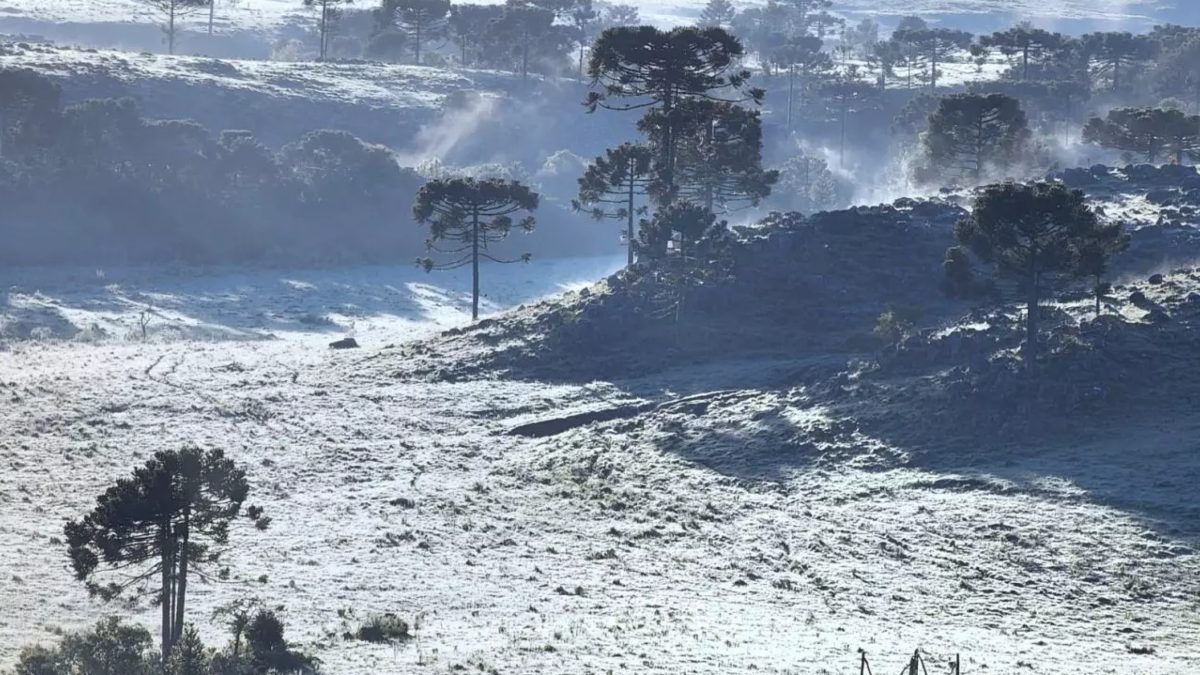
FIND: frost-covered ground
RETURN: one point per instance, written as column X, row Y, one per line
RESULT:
column 720, row 541
column 272, row 14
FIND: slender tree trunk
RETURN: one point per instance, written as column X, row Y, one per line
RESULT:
column 1025, row 63
column 791, row 94
column 181, row 593
column 1031, row 321
column 933, row 64
column 166, row 563
column 1116, row 74
column 1097, row 293
column 417, row 43
column 212, row 7
column 525, row 56
column 2, row 130
column 581, row 59
column 475, row 266
column 324, row 29
column 842, row 148
column 629, row 226
column 171, row 28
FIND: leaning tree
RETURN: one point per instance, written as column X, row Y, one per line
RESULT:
column 153, row 531
column 649, row 68
column 614, row 185
column 1033, row 234
column 467, row 215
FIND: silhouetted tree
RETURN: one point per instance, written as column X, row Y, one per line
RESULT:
column 329, row 14
column 468, row 215
column 530, row 33
column 1091, row 262
column 969, row 133
column 469, row 25
column 1032, row 234
column 615, row 16
column 956, row 268
column 717, row 14
column 171, row 12
column 933, row 45
column 884, row 56
column 808, row 69
column 719, row 162
column 1030, row 45
column 1150, row 132
column 806, row 184
column 165, row 522
column 27, row 100
column 109, row 648
column 661, row 69
column 847, row 94
column 419, row 20
column 1116, row 54
column 1177, row 72
column 614, row 184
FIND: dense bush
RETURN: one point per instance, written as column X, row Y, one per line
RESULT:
column 97, row 183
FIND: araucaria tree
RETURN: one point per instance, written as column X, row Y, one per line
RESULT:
column 1033, row 234
column 933, row 45
column 615, row 185
column 1147, row 132
column 647, row 68
column 1116, row 55
column 419, row 20
column 970, row 134
column 719, row 159
column 718, row 13
column 467, row 215
column 172, row 11
column 161, row 526
column 1027, row 44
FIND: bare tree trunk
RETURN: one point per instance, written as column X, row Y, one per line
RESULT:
column 171, row 28
column 166, row 563
column 212, row 8
column 181, row 592
column 791, row 94
column 1031, row 322
column 475, row 266
column 324, row 29
column 629, row 231
column 417, row 44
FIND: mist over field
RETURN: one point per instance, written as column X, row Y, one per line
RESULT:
column 582, row 337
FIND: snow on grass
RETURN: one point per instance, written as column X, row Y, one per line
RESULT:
column 737, row 539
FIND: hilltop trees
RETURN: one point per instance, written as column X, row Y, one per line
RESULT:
column 646, row 68
column 530, row 32
column 1034, row 233
column 1029, row 45
column 171, row 12
column 468, row 27
column 1149, row 132
column 467, row 215
column 1116, row 55
column 718, row 14
column 1178, row 72
column 329, row 14
column 807, row 68
column 164, row 523
column 969, row 134
column 613, row 184
column 932, row 45
column 420, row 21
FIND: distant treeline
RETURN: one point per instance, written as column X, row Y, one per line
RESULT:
column 96, row 182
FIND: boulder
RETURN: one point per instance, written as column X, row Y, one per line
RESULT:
column 344, row 343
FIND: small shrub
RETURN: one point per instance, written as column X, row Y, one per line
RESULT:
column 110, row 648
column 896, row 323
column 384, row 628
